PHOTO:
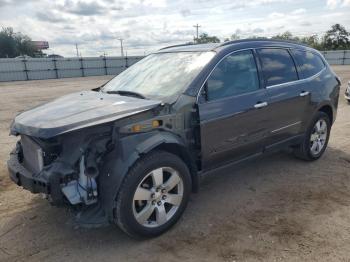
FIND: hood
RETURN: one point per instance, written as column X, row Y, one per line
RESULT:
column 76, row 111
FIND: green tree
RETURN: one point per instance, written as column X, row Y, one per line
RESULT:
column 337, row 38
column 205, row 38
column 7, row 43
column 15, row 44
column 314, row 41
column 234, row 37
column 286, row 36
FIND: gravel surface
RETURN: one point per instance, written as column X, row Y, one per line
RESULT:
column 276, row 208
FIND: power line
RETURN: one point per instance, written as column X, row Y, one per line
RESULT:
column 197, row 26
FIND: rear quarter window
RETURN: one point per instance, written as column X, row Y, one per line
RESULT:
column 277, row 65
column 309, row 63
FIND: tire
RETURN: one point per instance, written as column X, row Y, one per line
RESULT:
column 307, row 150
column 142, row 193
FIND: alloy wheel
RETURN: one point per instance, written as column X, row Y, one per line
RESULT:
column 158, row 197
column 318, row 137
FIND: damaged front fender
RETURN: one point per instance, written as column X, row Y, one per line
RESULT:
column 118, row 162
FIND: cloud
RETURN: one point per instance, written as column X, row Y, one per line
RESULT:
column 299, row 11
column 84, row 8
column 306, row 23
column 185, row 12
column 258, row 30
column 276, row 15
column 14, row 2
column 333, row 4
column 49, row 16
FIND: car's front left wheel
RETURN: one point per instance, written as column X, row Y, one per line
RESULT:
column 153, row 195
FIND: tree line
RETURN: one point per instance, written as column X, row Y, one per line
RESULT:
column 336, row 38
column 14, row 44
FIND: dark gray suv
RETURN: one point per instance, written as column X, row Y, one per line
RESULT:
column 131, row 151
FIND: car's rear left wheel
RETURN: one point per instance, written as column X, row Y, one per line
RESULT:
column 316, row 138
column 153, row 195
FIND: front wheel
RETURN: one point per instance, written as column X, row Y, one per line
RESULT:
column 153, row 195
column 316, row 138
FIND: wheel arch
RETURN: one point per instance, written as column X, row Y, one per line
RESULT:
column 327, row 109
column 183, row 153
column 173, row 144
column 128, row 151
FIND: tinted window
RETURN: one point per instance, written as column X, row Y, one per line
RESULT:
column 309, row 63
column 278, row 66
column 236, row 74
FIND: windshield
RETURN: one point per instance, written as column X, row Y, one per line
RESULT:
column 160, row 75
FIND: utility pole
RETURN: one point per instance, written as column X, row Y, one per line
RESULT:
column 197, row 26
column 121, row 47
column 77, row 49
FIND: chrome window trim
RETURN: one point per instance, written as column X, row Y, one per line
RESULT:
column 299, row 80
column 206, row 79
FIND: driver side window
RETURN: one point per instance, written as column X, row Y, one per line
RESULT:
column 236, row 74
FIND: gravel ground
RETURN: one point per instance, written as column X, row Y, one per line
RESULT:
column 277, row 208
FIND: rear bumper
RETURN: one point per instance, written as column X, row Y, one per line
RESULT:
column 23, row 177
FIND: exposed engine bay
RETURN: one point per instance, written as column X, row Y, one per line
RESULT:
column 63, row 170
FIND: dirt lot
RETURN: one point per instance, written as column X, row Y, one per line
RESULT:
column 277, row 208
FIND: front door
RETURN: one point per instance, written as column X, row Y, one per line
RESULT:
column 233, row 113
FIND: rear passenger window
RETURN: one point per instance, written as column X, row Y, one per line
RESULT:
column 309, row 63
column 278, row 66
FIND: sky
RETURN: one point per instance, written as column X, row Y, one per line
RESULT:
column 147, row 25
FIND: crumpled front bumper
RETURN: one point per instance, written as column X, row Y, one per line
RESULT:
column 23, row 177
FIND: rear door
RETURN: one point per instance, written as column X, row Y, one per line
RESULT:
column 288, row 98
column 233, row 113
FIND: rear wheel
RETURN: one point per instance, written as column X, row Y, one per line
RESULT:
column 316, row 138
column 153, row 195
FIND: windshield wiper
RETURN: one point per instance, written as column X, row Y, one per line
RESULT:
column 126, row 93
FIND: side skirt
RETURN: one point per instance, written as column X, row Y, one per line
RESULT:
column 282, row 145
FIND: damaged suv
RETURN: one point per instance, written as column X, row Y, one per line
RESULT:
column 132, row 151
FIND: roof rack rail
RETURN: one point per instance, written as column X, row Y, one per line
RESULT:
column 262, row 39
column 171, row 46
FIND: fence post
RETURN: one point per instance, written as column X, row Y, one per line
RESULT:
column 55, row 67
column 25, row 68
column 105, row 64
column 126, row 62
column 344, row 57
column 82, row 66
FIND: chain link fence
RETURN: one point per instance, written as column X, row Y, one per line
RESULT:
column 50, row 68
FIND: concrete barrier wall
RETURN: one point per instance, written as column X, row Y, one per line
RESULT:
column 49, row 68
column 339, row 57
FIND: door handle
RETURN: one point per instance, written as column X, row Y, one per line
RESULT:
column 304, row 93
column 260, row 105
